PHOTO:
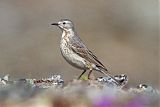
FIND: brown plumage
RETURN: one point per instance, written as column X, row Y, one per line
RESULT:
column 75, row 51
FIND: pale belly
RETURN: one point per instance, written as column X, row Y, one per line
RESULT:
column 72, row 58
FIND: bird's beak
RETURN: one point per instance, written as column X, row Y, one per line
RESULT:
column 56, row 24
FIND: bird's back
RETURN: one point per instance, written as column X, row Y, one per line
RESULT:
column 80, row 48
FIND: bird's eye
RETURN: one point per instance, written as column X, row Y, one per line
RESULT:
column 64, row 23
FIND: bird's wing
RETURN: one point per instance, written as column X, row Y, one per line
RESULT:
column 79, row 48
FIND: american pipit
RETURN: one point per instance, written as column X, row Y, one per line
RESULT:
column 76, row 53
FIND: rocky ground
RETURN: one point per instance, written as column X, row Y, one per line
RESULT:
column 55, row 92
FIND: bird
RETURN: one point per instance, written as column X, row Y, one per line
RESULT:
column 76, row 53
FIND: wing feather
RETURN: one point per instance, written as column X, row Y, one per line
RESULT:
column 80, row 49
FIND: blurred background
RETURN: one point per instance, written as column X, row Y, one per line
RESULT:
column 123, row 34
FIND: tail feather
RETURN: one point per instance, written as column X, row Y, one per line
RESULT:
column 108, row 74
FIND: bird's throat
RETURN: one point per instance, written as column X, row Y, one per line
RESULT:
column 67, row 33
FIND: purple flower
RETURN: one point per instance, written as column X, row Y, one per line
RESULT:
column 136, row 102
column 103, row 102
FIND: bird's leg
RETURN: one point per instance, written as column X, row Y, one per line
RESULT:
column 89, row 74
column 82, row 74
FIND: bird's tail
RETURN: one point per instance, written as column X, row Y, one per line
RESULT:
column 105, row 72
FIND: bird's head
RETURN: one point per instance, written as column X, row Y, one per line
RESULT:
column 64, row 24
